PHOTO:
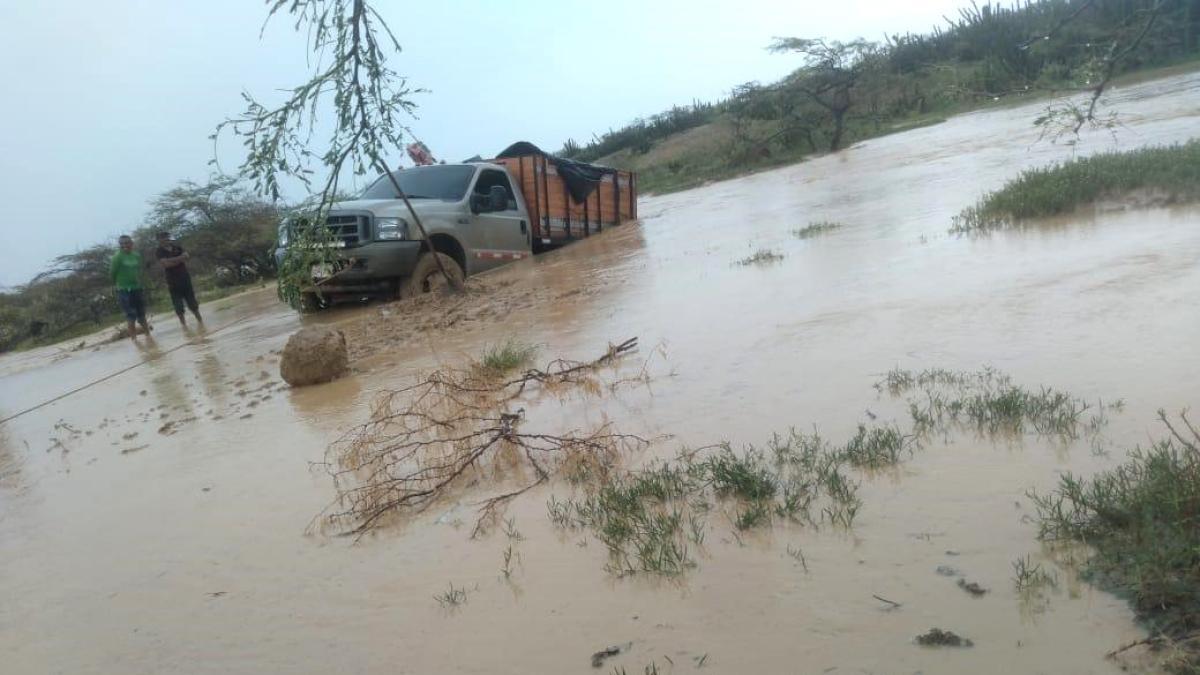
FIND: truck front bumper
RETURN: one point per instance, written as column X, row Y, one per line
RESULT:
column 371, row 268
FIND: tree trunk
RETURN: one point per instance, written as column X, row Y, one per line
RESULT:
column 839, row 125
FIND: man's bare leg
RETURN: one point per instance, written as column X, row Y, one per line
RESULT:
column 132, row 331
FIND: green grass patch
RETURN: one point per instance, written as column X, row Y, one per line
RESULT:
column 815, row 229
column 1172, row 173
column 504, row 358
column 653, row 520
column 1142, row 522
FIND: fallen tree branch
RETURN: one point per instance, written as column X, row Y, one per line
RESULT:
column 423, row 442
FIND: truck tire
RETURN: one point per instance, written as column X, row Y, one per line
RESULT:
column 311, row 302
column 427, row 278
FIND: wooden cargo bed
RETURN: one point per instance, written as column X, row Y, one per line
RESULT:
column 557, row 217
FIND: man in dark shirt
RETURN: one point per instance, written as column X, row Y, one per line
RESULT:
column 173, row 259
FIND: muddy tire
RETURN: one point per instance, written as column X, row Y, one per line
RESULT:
column 311, row 302
column 427, row 278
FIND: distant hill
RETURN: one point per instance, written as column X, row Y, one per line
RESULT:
column 845, row 92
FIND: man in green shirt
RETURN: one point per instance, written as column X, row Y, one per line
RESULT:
column 126, row 272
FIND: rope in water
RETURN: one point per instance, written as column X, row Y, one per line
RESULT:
column 110, row 376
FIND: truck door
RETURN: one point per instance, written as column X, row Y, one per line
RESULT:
column 504, row 234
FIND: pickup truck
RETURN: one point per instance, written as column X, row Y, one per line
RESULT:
column 478, row 215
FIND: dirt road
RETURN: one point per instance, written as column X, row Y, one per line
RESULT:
column 155, row 523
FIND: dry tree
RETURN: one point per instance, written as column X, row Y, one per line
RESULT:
column 427, row 440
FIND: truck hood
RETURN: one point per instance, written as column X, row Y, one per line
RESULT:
column 395, row 208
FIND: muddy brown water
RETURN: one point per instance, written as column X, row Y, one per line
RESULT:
column 155, row 522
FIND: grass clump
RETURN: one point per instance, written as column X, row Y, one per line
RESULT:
column 989, row 402
column 1173, row 171
column 762, row 256
column 815, row 229
column 1140, row 520
column 452, row 597
column 640, row 519
column 876, row 447
column 654, row 519
column 504, row 359
column 1031, row 576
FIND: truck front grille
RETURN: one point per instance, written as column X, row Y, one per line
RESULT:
column 347, row 230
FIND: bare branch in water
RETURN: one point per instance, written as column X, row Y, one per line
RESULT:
column 430, row 438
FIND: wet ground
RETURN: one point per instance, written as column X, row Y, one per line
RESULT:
column 155, row 522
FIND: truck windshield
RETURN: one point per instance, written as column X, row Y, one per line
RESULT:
column 448, row 183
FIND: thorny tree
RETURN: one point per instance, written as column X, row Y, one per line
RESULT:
column 830, row 74
column 364, row 98
column 1069, row 117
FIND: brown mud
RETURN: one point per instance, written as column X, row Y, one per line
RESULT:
column 155, row 522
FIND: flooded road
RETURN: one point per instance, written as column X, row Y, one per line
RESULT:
column 155, row 522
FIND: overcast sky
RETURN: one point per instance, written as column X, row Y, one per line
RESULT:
column 109, row 103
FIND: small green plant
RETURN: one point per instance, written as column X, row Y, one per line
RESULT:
column 815, row 229
column 876, row 447
column 762, row 256
column 509, row 556
column 1139, row 521
column 797, row 554
column 511, row 531
column 1028, row 575
column 504, row 358
column 451, row 597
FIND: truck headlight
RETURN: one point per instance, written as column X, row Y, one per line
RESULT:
column 391, row 228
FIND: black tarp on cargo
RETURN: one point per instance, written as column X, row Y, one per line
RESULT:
column 581, row 178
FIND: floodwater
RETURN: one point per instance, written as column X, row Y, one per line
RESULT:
column 155, row 522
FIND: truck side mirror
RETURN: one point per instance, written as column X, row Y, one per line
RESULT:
column 479, row 203
column 498, row 198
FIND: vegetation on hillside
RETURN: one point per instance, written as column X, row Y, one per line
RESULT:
column 844, row 92
column 1167, row 174
column 228, row 232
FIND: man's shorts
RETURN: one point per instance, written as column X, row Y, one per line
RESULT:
column 133, row 303
column 183, row 294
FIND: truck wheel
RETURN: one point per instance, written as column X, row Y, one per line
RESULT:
column 427, row 278
column 311, row 302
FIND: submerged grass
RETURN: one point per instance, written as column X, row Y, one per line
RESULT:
column 1142, row 520
column 762, row 256
column 988, row 401
column 653, row 520
column 1030, row 576
column 1172, row 171
column 452, row 597
column 815, row 229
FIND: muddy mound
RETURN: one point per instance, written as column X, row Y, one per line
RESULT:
column 313, row 355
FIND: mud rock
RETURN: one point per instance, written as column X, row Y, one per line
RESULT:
column 972, row 587
column 313, row 355
column 936, row 637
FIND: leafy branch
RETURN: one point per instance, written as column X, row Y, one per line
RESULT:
column 364, row 97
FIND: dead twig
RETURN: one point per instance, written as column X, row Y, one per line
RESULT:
column 895, row 605
column 1152, row 640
